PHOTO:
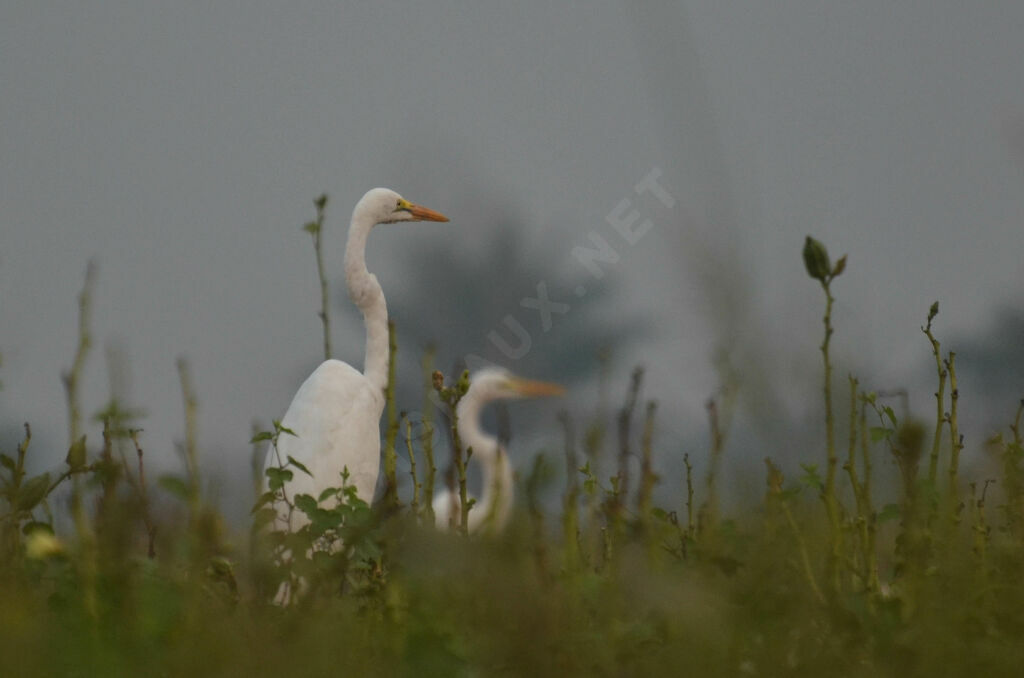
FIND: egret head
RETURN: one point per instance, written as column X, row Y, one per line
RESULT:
column 384, row 206
column 495, row 383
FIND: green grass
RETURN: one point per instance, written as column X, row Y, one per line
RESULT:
column 844, row 573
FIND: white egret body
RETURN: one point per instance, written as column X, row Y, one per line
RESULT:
column 336, row 412
column 494, row 508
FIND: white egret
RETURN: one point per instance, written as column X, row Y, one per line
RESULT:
column 335, row 414
column 494, row 508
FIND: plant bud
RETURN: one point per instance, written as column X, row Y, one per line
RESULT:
column 76, row 454
column 816, row 259
column 840, row 266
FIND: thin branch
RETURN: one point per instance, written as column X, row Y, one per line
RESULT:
column 143, row 496
column 315, row 229
column 72, row 377
column 624, row 421
column 940, row 419
column 191, row 455
column 391, row 432
column 416, row 486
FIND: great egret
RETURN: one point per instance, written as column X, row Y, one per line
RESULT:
column 335, row 414
column 494, row 507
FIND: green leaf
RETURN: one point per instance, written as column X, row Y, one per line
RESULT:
column 301, row 467
column 810, row 478
column 263, row 516
column 329, row 492
column 306, row 504
column 367, row 549
column 889, row 512
column 879, row 433
column 933, row 311
column 816, row 259
column 277, row 477
column 76, row 454
column 283, row 429
column 261, row 436
column 322, row 520
column 32, row 492
column 174, row 485
column 311, row 227
column 221, row 567
column 7, row 462
column 892, row 416
column 263, row 500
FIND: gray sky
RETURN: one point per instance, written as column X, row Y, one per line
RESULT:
column 181, row 148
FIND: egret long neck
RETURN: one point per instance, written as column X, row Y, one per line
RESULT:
column 496, row 497
column 368, row 296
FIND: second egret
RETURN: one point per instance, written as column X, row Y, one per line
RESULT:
column 494, row 508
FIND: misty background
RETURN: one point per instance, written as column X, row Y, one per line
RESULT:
column 181, row 149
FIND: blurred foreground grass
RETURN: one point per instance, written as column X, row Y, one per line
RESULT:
column 834, row 571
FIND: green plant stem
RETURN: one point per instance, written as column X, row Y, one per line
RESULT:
column 87, row 565
column 829, row 490
column 427, row 436
column 191, row 455
column 570, row 510
column 460, row 469
column 19, row 469
column 775, row 497
column 540, row 554
column 414, row 505
column 451, row 397
column 625, row 421
column 805, row 557
column 691, row 530
column 1013, row 487
column 72, row 377
column 647, row 475
column 956, row 440
column 707, row 516
column 461, row 456
column 863, row 508
column 851, row 466
column 1015, row 427
column 872, row 524
column 315, row 229
column 140, row 487
column 391, row 432
column 981, row 537
column 940, row 419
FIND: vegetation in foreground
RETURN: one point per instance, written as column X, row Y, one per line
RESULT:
column 834, row 571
